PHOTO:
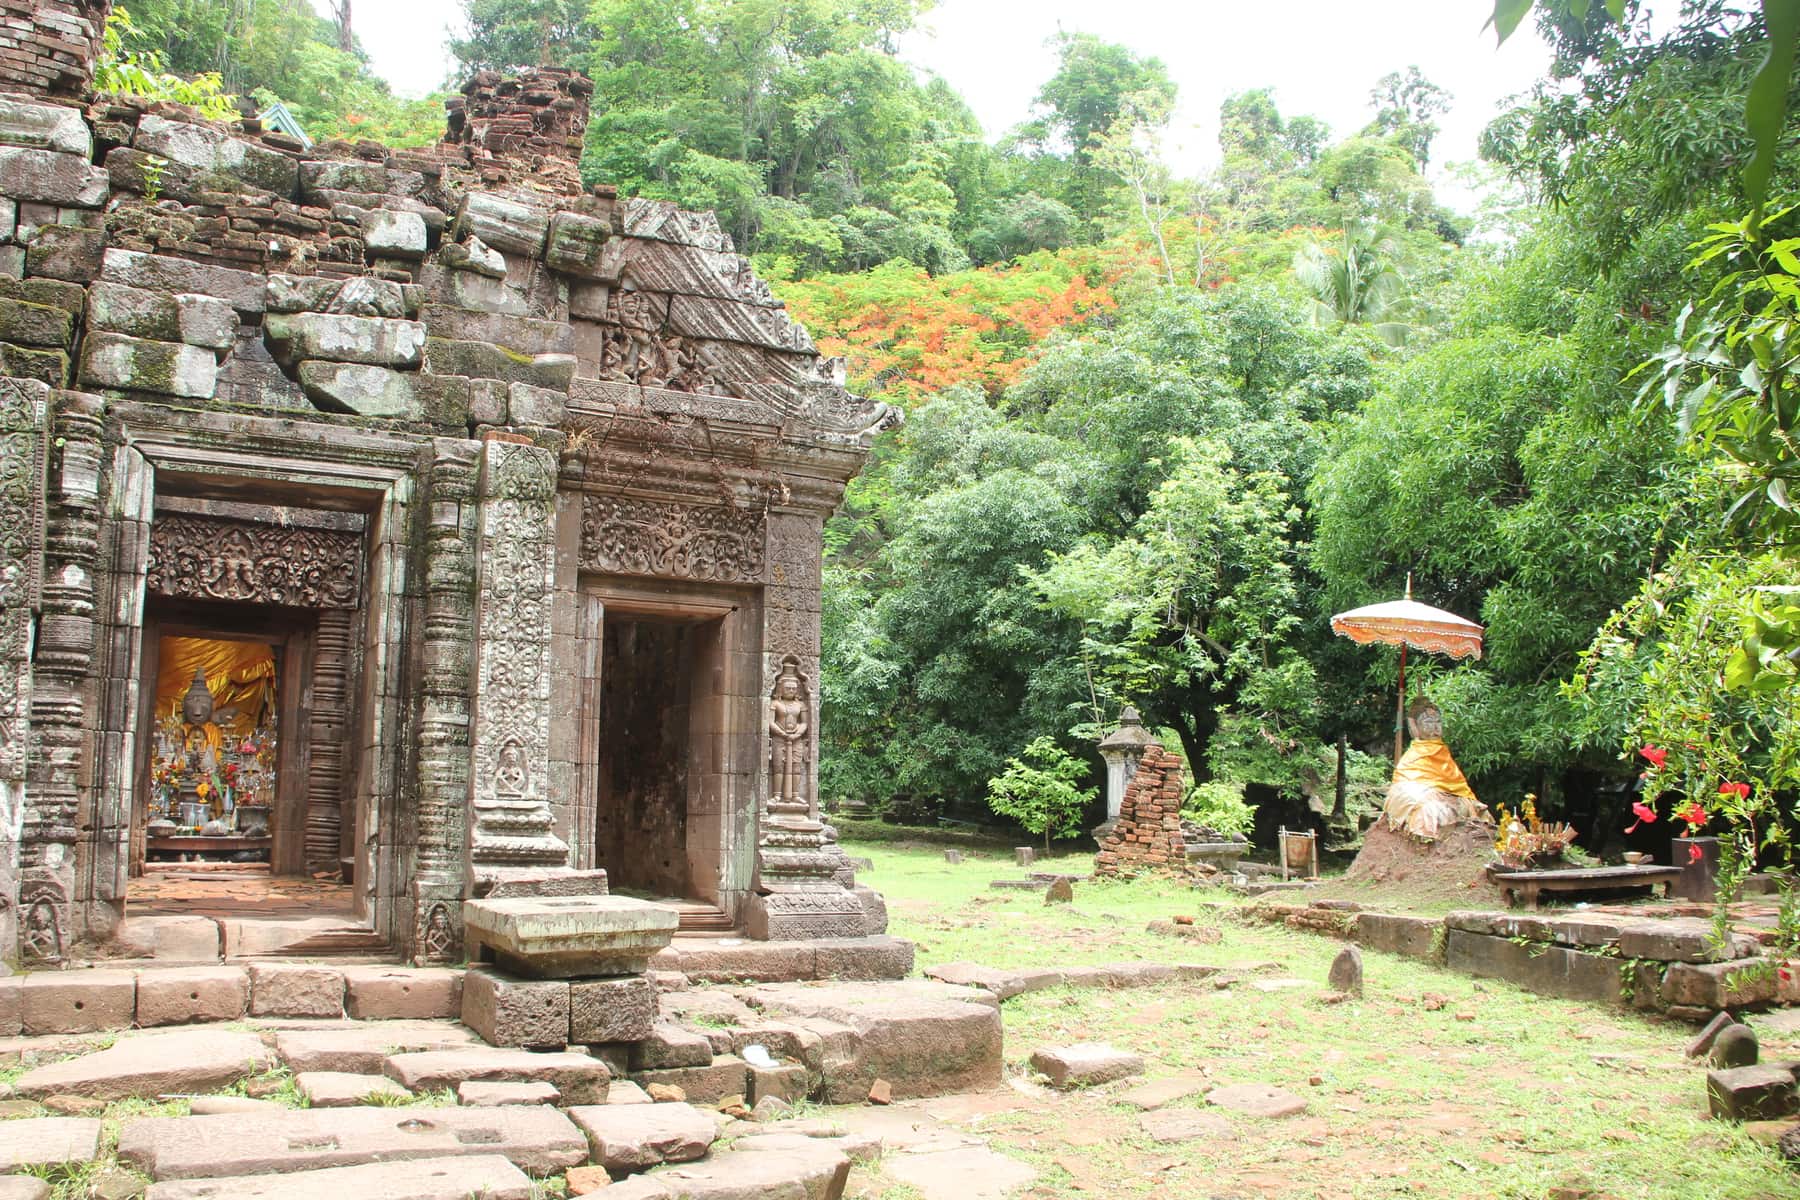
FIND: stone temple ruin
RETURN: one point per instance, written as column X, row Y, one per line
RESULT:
column 417, row 518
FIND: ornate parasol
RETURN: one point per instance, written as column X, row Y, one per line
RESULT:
column 1406, row 623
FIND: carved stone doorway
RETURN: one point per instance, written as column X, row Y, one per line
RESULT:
column 669, row 745
column 653, row 717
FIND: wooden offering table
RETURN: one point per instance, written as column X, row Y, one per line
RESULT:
column 219, row 848
column 1526, row 886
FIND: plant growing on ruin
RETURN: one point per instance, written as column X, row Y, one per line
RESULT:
column 1219, row 805
column 1038, row 791
column 139, row 72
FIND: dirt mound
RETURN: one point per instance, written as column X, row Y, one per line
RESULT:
column 1454, row 865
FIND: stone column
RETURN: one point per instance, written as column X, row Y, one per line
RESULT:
column 513, row 826
column 799, row 890
column 441, row 830
column 58, row 771
column 1122, row 749
column 24, row 428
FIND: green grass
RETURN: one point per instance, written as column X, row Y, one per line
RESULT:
column 1432, row 1084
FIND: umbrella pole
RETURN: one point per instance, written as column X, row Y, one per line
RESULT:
column 1400, row 707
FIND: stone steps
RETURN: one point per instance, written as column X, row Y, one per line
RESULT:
column 489, row 1176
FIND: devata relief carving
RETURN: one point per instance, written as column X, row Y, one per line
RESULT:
column 790, row 740
column 622, row 536
column 204, row 558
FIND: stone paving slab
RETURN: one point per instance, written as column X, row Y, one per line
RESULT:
column 747, row 1175
column 362, row 1049
column 43, row 1141
column 338, row 1089
column 581, row 1078
column 23, row 1187
column 636, row 1137
column 477, row 1094
column 485, row 1176
column 972, row 1173
column 1155, row 1093
column 154, row 1064
column 1086, row 1064
column 534, row 1138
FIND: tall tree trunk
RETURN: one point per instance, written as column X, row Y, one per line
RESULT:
column 346, row 38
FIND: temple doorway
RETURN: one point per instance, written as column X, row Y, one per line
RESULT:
column 657, row 832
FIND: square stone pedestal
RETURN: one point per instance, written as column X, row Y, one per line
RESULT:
column 564, row 937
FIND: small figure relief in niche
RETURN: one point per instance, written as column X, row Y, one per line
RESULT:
column 511, row 776
column 43, row 934
column 790, row 727
column 439, row 937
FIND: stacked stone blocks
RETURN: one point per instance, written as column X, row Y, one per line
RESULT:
column 1147, row 835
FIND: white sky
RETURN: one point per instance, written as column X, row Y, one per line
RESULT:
column 1320, row 56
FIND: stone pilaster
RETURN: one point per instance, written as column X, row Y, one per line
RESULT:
column 798, row 893
column 61, row 753
column 513, row 827
column 447, row 656
column 24, row 426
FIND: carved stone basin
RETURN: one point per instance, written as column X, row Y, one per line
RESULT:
column 561, row 937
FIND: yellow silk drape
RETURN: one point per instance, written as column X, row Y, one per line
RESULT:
column 1427, row 761
column 240, row 675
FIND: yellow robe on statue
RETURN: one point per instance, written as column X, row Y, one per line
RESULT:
column 1429, row 792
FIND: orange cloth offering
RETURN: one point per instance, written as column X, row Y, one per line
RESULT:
column 1429, row 792
column 1427, row 762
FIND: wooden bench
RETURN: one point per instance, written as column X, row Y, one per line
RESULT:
column 1526, row 886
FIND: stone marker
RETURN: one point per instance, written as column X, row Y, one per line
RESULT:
column 335, row 1089
column 488, row 1176
column 580, row 1078
column 1183, row 1125
column 476, row 1093
column 1024, row 856
column 46, row 1141
column 1347, row 971
column 535, row 1139
column 953, row 857
column 1060, row 891
column 1735, row 1046
column 556, row 937
column 1256, row 1100
column 1086, row 1064
column 636, row 1137
column 1759, row 1093
column 1704, row 1039
column 153, row 1064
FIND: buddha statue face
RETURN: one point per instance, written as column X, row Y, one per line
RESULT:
column 197, row 705
column 1424, row 720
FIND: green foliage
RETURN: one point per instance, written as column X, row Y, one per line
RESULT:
column 283, row 50
column 1356, row 282
column 136, row 70
column 1038, row 790
column 1219, row 806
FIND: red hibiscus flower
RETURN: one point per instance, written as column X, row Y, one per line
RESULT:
column 1784, row 972
column 1655, row 756
column 1644, row 813
column 1740, row 790
column 1695, row 854
column 1693, row 814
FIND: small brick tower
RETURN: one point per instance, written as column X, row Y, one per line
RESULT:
column 1147, row 836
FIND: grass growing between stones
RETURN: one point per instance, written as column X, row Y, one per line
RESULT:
column 1431, row 1084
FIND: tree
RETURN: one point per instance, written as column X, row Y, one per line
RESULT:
column 522, row 33
column 1405, row 104
column 1356, row 282
column 1038, row 791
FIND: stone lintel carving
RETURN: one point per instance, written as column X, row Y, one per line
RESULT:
column 24, row 455
column 207, row 558
column 625, row 536
column 513, row 826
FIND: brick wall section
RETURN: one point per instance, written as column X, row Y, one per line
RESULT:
column 542, row 111
column 1147, row 836
column 48, row 47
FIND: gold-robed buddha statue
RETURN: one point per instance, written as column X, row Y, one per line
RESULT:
column 1428, row 791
